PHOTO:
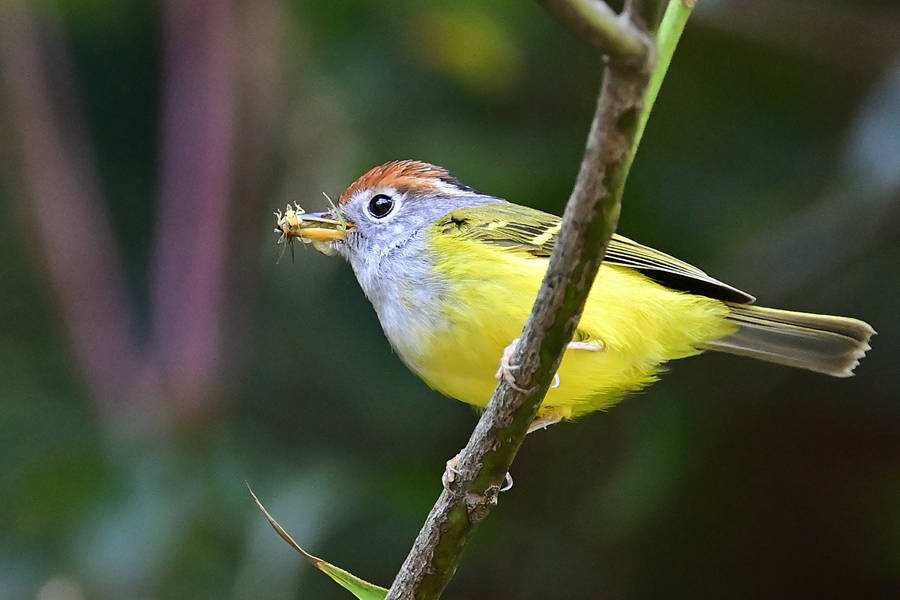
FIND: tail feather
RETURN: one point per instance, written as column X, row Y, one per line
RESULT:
column 821, row 343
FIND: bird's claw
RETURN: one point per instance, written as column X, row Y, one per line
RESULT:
column 505, row 369
column 451, row 473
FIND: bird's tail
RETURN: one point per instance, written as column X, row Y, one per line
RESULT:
column 821, row 343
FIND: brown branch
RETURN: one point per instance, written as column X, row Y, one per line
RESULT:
column 588, row 223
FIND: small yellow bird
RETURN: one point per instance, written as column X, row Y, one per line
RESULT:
column 453, row 273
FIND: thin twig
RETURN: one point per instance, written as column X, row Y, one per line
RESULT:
column 597, row 24
column 588, row 223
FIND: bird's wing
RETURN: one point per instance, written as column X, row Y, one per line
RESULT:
column 533, row 233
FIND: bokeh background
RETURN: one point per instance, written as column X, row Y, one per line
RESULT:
column 154, row 357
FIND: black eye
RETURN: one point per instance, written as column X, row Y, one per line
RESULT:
column 381, row 205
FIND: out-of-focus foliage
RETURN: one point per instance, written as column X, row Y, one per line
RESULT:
column 771, row 161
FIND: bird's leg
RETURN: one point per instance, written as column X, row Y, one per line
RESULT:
column 451, row 472
column 505, row 369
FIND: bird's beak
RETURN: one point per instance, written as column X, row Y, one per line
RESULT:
column 323, row 227
column 313, row 227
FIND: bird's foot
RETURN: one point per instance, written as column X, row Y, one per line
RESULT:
column 595, row 346
column 451, row 473
column 506, row 369
column 543, row 422
column 556, row 381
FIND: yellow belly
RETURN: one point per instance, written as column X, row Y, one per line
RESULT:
column 641, row 325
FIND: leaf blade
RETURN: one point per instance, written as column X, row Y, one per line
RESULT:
column 360, row 588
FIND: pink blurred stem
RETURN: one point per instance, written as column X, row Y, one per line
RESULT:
column 191, row 253
column 68, row 217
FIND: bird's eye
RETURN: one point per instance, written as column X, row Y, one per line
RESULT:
column 380, row 206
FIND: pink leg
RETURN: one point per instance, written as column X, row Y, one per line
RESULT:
column 505, row 369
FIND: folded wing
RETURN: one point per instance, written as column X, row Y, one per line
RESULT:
column 533, row 233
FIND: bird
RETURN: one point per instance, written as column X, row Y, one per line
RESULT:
column 452, row 274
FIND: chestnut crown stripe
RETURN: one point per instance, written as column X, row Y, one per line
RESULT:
column 406, row 176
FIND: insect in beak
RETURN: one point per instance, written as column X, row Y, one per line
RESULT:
column 311, row 228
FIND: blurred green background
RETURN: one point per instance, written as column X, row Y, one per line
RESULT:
column 154, row 357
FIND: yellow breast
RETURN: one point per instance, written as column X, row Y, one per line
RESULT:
column 490, row 291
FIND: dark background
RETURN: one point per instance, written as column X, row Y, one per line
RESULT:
column 154, row 357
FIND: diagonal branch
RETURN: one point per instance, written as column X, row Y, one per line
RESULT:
column 588, row 223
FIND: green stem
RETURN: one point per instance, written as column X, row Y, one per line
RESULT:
column 670, row 29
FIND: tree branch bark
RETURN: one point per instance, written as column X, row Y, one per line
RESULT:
column 589, row 221
column 597, row 24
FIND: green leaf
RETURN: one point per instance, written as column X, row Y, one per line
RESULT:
column 358, row 587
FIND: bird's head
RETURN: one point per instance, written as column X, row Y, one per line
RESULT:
column 383, row 210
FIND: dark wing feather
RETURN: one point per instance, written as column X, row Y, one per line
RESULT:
column 532, row 232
